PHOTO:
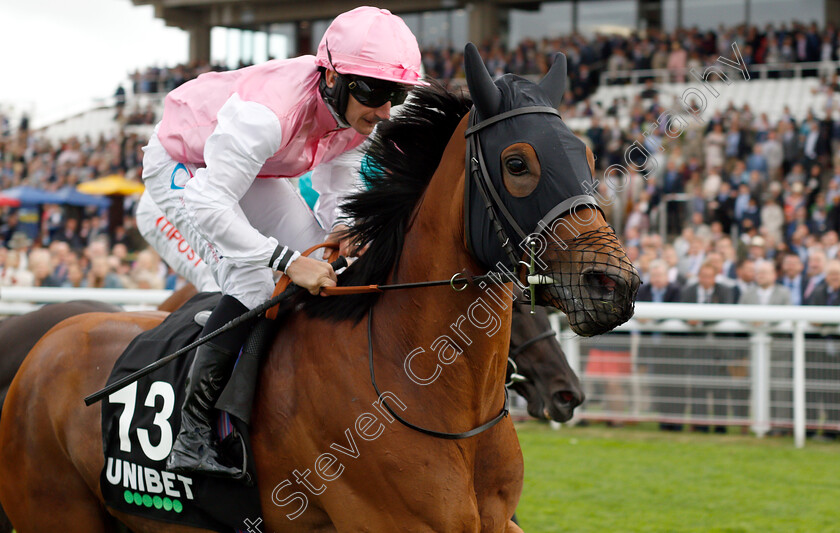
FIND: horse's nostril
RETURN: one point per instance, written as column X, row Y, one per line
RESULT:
column 609, row 283
column 606, row 281
column 565, row 398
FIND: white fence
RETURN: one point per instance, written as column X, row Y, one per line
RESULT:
column 20, row 300
column 762, row 367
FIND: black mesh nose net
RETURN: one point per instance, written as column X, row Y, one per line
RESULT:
column 594, row 282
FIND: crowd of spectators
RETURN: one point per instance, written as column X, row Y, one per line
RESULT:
column 675, row 52
column 158, row 80
column 734, row 189
column 72, row 246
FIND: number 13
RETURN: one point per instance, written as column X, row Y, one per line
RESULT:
column 128, row 396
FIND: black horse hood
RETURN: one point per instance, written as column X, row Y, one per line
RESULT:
column 565, row 173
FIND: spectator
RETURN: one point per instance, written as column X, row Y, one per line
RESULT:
column 773, row 154
column 677, row 62
column 745, row 278
column 75, row 277
column 70, row 234
column 815, row 272
column 661, row 359
column 793, row 277
column 101, row 274
column 766, row 291
column 40, row 264
column 828, row 293
column 715, row 141
column 707, row 291
column 821, row 365
column 14, row 273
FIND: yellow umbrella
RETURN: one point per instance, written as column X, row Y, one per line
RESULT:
column 113, row 184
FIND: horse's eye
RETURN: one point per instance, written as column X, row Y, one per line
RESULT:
column 516, row 166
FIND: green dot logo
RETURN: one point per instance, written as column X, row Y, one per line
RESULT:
column 138, row 498
column 158, row 502
column 167, row 504
column 129, row 497
column 178, row 506
column 147, row 500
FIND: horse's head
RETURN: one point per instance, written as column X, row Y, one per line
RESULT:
column 529, row 203
column 551, row 387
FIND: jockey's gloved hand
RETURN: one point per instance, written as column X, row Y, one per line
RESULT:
column 306, row 272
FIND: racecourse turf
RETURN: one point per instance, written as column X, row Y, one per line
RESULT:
column 598, row 479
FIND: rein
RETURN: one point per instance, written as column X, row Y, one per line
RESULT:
column 533, row 340
column 437, row 434
column 458, row 282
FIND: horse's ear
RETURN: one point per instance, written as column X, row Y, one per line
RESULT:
column 485, row 94
column 554, row 83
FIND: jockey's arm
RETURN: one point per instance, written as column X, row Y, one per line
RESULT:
column 246, row 135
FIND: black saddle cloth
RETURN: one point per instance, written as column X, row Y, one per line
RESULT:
column 139, row 425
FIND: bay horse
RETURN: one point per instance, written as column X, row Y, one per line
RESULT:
column 439, row 354
column 549, row 386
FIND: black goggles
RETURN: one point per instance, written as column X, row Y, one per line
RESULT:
column 371, row 92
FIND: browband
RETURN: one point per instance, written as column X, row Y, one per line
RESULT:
column 511, row 113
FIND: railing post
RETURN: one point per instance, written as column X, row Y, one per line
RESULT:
column 570, row 343
column 635, row 384
column 799, row 383
column 760, row 382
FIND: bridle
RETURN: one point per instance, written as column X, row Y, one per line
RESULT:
column 514, row 376
column 495, row 208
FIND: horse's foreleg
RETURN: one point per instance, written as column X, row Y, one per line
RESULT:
column 513, row 528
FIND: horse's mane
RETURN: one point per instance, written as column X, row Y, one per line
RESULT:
column 402, row 157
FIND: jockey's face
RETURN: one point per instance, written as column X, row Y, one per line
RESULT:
column 361, row 118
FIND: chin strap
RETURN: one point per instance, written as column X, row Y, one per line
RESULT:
column 335, row 98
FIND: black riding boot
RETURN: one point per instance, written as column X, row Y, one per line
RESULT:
column 193, row 449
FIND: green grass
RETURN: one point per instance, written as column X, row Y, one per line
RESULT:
column 615, row 480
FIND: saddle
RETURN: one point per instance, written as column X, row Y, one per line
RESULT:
column 140, row 421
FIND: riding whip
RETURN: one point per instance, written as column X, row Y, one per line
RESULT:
column 341, row 262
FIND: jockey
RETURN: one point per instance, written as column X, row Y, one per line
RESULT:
column 208, row 169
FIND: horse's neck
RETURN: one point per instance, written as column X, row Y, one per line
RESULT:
column 474, row 320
